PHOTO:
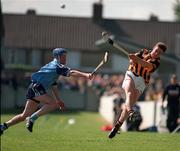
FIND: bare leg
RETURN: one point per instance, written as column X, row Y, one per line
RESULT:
column 49, row 105
column 131, row 97
column 128, row 109
column 30, row 107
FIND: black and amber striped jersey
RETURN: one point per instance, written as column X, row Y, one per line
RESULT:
column 139, row 70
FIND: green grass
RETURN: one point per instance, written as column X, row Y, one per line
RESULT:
column 53, row 133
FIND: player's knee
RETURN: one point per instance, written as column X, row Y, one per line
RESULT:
column 22, row 116
column 128, row 107
column 130, row 95
column 125, row 108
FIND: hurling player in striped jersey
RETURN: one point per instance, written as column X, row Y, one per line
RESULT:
column 142, row 65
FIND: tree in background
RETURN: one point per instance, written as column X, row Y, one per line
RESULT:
column 177, row 10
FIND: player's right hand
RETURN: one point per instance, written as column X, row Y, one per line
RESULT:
column 90, row 76
column 61, row 105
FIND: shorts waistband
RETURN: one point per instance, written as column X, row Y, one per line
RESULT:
column 133, row 73
column 34, row 81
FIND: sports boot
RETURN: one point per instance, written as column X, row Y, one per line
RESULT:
column 3, row 127
column 115, row 130
column 29, row 124
column 134, row 116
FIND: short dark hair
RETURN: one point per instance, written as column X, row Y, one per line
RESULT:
column 174, row 76
column 162, row 46
column 58, row 52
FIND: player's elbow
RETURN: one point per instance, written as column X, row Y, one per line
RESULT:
column 71, row 72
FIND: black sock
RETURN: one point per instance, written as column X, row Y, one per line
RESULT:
column 5, row 126
column 119, row 123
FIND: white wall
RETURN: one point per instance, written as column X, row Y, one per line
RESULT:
column 147, row 111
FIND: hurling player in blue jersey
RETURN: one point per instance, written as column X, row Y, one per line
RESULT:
column 44, row 79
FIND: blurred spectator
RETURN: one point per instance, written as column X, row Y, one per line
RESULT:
column 71, row 83
column 158, row 88
column 118, row 102
column 102, row 84
column 134, row 125
column 82, row 82
column 172, row 91
column 155, row 90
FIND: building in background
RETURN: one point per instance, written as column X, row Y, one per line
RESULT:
column 29, row 39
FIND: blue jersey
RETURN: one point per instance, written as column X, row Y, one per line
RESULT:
column 49, row 73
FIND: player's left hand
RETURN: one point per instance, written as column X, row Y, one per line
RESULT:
column 61, row 105
column 133, row 57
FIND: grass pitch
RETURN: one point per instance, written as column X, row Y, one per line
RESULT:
column 53, row 133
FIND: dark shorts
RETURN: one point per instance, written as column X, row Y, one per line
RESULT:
column 35, row 89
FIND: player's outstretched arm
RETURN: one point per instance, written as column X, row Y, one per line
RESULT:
column 58, row 100
column 81, row 74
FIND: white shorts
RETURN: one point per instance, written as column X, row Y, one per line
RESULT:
column 138, row 81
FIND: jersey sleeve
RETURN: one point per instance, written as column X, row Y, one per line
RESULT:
column 139, row 53
column 155, row 64
column 165, row 93
column 179, row 90
column 62, row 70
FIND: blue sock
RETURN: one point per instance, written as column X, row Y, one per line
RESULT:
column 34, row 117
